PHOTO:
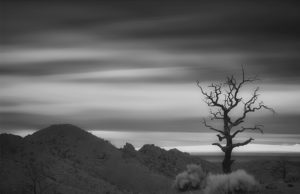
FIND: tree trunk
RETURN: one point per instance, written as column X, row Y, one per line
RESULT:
column 227, row 158
column 34, row 188
column 227, row 162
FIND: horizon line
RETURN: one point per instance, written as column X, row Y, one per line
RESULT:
column 119, row 141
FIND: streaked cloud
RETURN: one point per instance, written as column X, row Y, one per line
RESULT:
column 133, row 65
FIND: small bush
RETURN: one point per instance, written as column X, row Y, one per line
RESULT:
column 193, row 178
column 238, row 182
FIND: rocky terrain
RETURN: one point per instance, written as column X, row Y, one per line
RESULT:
column 169, row 163
column 67, row 159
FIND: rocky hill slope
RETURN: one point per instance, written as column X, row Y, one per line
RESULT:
column 63, row 159
column 168, row 163
column 67, row 159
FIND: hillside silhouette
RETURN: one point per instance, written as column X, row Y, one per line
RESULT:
column 67, row 159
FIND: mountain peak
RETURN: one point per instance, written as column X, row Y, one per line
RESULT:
column 64, row 126
column 129, row 150
column 60, row 130
column 149, row 147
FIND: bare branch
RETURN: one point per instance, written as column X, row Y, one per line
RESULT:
column 223, row 148
column 243, row 143
column 212, row 128
column 212, row 98
column 221, row 137
column 249, row 106
column 256, row 127
column 231, row 97
column 248, row 80
column 268, row 108
column 217, row 115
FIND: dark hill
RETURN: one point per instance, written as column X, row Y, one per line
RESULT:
column 10, row 144
column 168, row 163
column 67, row 159
column 59, row 130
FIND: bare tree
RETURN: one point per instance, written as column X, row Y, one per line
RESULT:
column 225, row 98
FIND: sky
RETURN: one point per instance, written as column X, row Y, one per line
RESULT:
column 128, row 69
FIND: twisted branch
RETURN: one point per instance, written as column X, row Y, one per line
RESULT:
column 223, row 148
column 243, row 143
column 256, row 127
column 212, row 128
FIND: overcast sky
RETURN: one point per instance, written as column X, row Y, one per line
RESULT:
column 133, row 65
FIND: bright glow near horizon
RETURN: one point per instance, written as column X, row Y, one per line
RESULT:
column 250, row 148
column 194, row 142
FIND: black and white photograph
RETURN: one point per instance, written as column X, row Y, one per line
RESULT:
column 149, row 97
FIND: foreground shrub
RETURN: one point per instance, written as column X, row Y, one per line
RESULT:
column 238, row 182
column 193, row 178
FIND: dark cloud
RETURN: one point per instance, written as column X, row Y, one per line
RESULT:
column 19, row 120
column 187, row 41
column 54, row 67
column 264, row 34
column 254, row 21
column 268, row 69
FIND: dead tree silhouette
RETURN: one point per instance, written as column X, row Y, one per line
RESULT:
column 223, row 99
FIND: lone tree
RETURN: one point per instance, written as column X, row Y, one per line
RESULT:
column 224, row 99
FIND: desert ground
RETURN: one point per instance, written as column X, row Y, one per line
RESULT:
column 66, row 159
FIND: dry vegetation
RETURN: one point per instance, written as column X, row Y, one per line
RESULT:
column 238, row 182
